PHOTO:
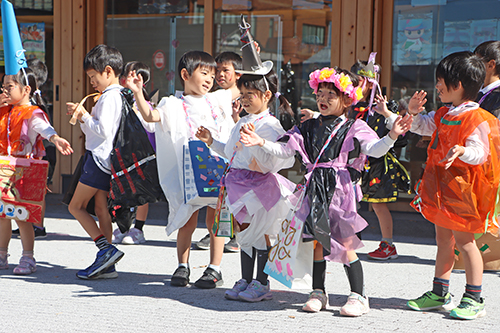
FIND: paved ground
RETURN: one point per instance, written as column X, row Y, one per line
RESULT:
column 141, row 299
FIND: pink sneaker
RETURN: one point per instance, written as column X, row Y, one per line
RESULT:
column 134, row 237
column 317, row 301
column 26, row 266
column 239, row 286
column 117, row 236
column 355, row 306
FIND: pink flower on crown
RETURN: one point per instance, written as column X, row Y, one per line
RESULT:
column 342, row 82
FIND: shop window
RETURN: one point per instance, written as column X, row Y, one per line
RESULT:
column 312, row 34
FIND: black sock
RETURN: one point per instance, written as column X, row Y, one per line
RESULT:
column 319, row 270
column 262, row 256
column 101, row 242
column 473, row 292
column 139, row 224
column 247, row 265
column 355, row 277
column 440, row 287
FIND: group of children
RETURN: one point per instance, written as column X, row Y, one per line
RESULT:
column 457, row 192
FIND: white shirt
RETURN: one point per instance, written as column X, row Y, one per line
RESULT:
column 38, row 124
column 477, row 145
column 101, row 125
column 490, row 87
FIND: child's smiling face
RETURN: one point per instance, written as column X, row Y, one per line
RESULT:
column 200, row 82
column 329, row 102
column 13, row 92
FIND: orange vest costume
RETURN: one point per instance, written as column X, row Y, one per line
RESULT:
column 464, row 197
column 19, row 117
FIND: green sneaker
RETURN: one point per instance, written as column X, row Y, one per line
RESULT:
column 431, row 301
column 469, row 309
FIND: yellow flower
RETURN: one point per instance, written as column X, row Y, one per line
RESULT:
column 345, row 82
column 359, row 94
column 325, row 74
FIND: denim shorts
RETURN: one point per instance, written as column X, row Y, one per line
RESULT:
column 93, row 176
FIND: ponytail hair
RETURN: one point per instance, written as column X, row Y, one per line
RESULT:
column 139, row 68
column 262, row 83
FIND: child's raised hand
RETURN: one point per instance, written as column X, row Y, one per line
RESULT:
column 61, row 144
column 306, row 114
column 134, row 82
column 401, row 126
column 3, row 98
column 417, row 101
column 453, row 153
column 248, row 136
column 381, row 107
column 236, row 110
column 204, row 135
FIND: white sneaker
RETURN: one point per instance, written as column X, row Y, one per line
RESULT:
column 317, row 301
column 117, row 236
column 356, row 306
column 134, row 237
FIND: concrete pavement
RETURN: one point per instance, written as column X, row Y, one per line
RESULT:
column 141, row 299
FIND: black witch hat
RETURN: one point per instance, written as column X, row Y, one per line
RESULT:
column 251, row 59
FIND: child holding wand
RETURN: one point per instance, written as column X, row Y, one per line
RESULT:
column 332, row 219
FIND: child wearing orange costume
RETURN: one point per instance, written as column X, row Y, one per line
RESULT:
column 458, row 190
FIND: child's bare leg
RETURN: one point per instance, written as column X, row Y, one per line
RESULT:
column 142, row 212
column 5, row 233
column 471, row 255
column 384, row 218
column 216, row 243
column 445, row 256
column 102, row 212
column 184, row 238
column 27, row 236
column 78, row 208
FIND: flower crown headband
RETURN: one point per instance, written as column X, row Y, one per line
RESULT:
column 340, row 80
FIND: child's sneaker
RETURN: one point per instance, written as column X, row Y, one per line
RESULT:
column 4, row 262
column 110, row 273
column 133, row 237
column 180, row 278
column 26, row 266
column 469, row 309
column 232, row 245
column 316, row 302
column 384, row 252
column 204, row 243
column 239, row 286
column 104, row 259
column 256, row 292
column 210, row 279
column 355, row 306
column 431, row 301
column 117, row 236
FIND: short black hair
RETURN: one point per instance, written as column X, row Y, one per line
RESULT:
column 39, row 69
column 490, row 51
column 101, row 56
column 191, row 60
column 464, row 67
column 231, row 57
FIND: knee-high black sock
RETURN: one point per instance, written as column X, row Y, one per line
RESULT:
column 247, row 265
column 319, row 271
column 355, row 276
column 262, row 256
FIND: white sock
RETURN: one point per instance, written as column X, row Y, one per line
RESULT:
column 186, row 265
column 215, row 268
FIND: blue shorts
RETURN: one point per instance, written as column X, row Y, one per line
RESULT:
column 93, row 176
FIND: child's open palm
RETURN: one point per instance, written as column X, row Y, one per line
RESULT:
column 451, row 156
column 401, row 126
column 134, row 82
column 417, row 101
